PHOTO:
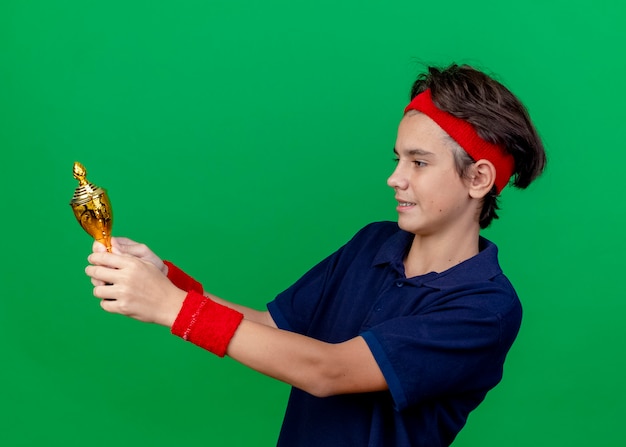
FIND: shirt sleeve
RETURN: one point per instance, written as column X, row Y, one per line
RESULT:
column 456, row 348
column 298, row 306
column 293, row 309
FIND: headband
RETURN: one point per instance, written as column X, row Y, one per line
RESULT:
column 466, row 136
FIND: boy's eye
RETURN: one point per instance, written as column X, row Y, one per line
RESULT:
column 418, row 163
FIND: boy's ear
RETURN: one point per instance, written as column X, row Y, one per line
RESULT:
column 482, row 179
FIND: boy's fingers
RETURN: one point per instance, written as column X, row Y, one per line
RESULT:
column 112, row 260
column 98, row 247
column 123, row 241
column 97, row 282
column 101, row 275
column 137, row 250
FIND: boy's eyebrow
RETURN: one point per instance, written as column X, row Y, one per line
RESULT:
column 411, row 152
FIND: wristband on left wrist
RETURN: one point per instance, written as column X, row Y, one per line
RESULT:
column 207, row 324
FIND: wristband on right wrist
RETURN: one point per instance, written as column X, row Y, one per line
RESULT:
column 181, row 279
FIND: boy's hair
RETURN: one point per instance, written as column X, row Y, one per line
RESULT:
column 496, row 114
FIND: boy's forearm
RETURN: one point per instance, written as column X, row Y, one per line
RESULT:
column 261, row 317
column 319, row 368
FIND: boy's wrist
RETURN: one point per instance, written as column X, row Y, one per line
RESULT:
column 181, row 279
column 205, row 323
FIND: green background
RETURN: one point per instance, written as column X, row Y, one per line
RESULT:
column 247, row 140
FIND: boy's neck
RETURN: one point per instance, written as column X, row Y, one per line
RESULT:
column 437, row 253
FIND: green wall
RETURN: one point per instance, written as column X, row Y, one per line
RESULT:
column 246, row 140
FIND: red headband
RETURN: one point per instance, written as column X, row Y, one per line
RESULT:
column 465, row 135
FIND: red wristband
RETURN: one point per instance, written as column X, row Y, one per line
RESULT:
column 206, row 323
column 181, row 279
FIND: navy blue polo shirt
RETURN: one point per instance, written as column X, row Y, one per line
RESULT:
column 440, row 340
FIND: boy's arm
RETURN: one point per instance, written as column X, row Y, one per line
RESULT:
column 319, row 368
column 137, row 288
column 249, row 314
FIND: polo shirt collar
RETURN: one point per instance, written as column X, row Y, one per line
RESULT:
column 481, row 267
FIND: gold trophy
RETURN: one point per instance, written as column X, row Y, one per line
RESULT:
column 92, row 208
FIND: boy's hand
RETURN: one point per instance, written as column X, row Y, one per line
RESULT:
column 123, row 245
column 129, row 283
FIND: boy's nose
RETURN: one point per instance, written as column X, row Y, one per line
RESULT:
column 396, row 180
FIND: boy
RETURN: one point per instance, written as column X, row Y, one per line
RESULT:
column 396, row 337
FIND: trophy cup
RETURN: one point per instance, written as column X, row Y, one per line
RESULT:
column 92, row 208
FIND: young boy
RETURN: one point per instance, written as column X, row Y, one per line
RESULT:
column 396, row 337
